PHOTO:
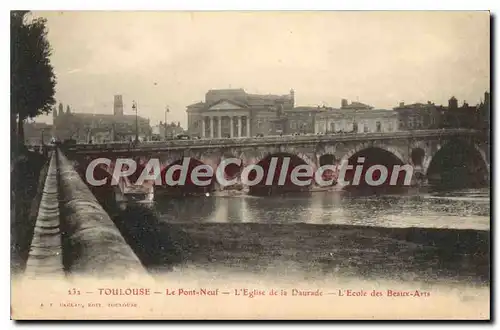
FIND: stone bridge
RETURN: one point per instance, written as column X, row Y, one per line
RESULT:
column 417, row 148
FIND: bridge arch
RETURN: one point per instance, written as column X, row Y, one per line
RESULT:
column 379, row 163
column 255, row 156
column 417, row 156
column 367, row 145
column 457, row 162
column 188, row 187
column 262, row 188
column 327, row 159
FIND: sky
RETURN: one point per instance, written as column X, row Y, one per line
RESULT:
column 172, row 59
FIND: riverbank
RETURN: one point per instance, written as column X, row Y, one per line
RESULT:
column 28, row 173
column 369, row 252
column 408, row 254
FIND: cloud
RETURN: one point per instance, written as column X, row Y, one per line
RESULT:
column 73, row 71
column 381, row 57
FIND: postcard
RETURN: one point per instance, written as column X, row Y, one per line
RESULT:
column 250, row 165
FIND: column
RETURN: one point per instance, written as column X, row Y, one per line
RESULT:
column 219, row 127
column 231, row 125
column 247, row 129
column 211, row 127
column 239, row 126
column 203, row 127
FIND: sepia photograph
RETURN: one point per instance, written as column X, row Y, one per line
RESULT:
column 250, row 165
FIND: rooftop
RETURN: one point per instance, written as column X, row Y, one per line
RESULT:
column 239, row 96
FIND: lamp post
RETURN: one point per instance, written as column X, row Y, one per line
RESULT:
column 167, row 110
column 134, row 107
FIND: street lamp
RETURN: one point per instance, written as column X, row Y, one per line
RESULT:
column 134, row 107
column 167, row 110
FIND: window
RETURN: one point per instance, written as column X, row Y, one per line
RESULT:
column 389, row 127
column 365, row 128
column 355, row 127
column 379, row 127
column 332, row 127
column 410, row 122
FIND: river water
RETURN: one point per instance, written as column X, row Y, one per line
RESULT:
column 419, row 239
column 459, row 209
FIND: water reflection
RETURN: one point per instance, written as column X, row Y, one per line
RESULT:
column 459, row 209
column 193, row 209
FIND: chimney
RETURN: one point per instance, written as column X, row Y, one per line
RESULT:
column 401, row 104
column 343, row 103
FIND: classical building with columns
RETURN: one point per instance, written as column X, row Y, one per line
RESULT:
column 235, row 113
column 355, row 117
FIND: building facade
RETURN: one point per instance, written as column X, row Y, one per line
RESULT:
column 355, row 117
column 455, row 116
column 235, row 113
column 300, row 120
column 161, row 131
column 100, row 128
column 484, row 114
column 418, row 116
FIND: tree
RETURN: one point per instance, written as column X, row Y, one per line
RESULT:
column 32, row 77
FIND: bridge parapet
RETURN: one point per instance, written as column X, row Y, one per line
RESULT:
column 45, row 255
column 74, row 234
column 269, row 140
column 92, row 240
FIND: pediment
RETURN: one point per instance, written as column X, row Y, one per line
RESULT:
column 224, row 105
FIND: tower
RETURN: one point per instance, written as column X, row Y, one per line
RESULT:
column 452, row 103
column 118, row 106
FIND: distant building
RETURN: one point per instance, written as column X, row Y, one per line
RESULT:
column 235, row 113
column 35, row 132
column 418, row 116
column 300, row 120
column 484, row 114
column 118, row 105
column 100, row 128
column 162, row 132
column 356, row 117
column 454, row 116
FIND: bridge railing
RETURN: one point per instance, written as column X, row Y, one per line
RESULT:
column 271, row 139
